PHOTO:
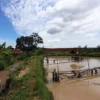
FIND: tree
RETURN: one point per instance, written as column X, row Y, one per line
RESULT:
column 98, row 48
column 85, row 48
column 9, row 47
column 36, row 39
column 3, row 46
column 79, row 46
column 28, row 43
column 79, row 49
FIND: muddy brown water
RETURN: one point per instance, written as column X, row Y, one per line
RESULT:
column 87, row 88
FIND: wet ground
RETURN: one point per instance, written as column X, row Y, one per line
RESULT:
column 4, row 75
column 87, row 88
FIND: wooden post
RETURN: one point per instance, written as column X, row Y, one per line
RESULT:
column 47, row 60
column 96, row 72
column 92, row 72
column 57, row 72
column 54, row 61
column 53, row 76
column 79, row 75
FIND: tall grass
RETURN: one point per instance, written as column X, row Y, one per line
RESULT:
column 41, row 88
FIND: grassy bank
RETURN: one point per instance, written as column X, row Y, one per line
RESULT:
column 31, row 86
column 92, row 54
column 89, row 54
column 59, row 54
column 41, row 89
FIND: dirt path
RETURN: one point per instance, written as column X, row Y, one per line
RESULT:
column 23, row 72
column 4, row 75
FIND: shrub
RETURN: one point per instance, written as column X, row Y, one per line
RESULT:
column 2, row 65
column 39, row 51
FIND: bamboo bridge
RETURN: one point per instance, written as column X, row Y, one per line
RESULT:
column 57, row 76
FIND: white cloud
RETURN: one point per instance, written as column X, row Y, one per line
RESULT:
column 61, row 23
column 25, row 15
column 54, row 40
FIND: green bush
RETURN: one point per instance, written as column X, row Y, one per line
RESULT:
column 6, row 59
column 39, row 51
column 2, row 65
column 21, row 57
column 92, row 54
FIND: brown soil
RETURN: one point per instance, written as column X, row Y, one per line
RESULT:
column 3, row 76
column 23, row 72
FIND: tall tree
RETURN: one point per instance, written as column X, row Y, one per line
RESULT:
column 28, row 43
column 36, row 39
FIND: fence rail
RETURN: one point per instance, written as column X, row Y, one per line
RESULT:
column 75, row 73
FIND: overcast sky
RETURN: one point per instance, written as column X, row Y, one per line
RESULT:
column 61, row 23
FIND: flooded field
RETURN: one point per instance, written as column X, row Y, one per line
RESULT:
column 86, row 88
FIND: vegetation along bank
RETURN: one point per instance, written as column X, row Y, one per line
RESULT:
column 28, row 81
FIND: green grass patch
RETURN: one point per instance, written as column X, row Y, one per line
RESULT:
column 92, row 54
column 41, row 88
